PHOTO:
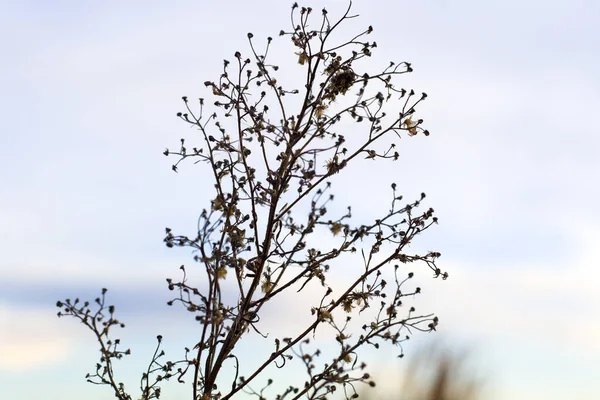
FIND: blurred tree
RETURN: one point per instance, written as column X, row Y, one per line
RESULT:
column 272, row 151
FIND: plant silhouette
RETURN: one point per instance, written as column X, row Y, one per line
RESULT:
column 274, row 152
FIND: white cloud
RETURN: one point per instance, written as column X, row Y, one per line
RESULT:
column 31, row 338
column 530, row 302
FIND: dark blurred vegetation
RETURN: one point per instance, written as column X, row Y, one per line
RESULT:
column 435, row 373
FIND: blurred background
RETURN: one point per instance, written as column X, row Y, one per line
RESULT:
column 88, row 96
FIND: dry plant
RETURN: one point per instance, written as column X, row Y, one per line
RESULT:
column 440, row 375
column 436, row 372
column 273, row 150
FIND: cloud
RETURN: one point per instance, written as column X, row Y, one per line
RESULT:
column 31, row 338
column 530, row 302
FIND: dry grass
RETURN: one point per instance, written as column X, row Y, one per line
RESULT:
column 443, row 378
column 436, row 374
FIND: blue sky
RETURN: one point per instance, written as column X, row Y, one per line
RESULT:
column 89, row 93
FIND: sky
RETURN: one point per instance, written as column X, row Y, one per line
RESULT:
column 88, row 97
